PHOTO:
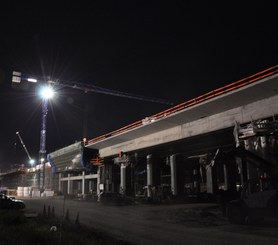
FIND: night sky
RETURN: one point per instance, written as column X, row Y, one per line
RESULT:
column 172, row 50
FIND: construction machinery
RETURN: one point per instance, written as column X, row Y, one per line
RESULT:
column 259, row 195
column 31, row 161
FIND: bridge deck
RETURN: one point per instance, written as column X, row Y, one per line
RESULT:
column 253, row 88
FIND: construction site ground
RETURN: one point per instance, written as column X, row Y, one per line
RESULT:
column 182, row 223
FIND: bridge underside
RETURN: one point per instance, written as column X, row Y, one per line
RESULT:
column 201, row 144
column 194, row 166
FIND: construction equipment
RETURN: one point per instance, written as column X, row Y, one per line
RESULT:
column 259, row 196
column 258, row 200
column 25, row 148
column 23, row 81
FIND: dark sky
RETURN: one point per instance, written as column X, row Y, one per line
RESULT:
column 173, row 50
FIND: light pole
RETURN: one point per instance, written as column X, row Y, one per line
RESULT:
column 46, row 92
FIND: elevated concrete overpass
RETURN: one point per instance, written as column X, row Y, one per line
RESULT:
column 185, row 149
column 252, row 98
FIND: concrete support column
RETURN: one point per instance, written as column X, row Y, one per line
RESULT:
column 38, row 177
column 90, row 186
column 98, row 180
column 78, row 186
column 173, row 168
column 70, row 185
column 226, row 184
column 48, row 179
column 60, row 183
column 108, row 178
column 83, row 182
column 149, row 174
column 196, row 182
column 264, row 146
column 242, row 170
column 211, row 185
column 263, row 142
column 251, row 169
column 123, row 179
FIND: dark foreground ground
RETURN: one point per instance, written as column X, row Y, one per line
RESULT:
column 20, row 228
column 191, row 223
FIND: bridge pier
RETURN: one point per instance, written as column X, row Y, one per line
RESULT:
column 98, row 180
column 108, row 177
column 69, row 191
column 123, row 179
column 211, row 180
column 149, row 175
column 173, row 167
column 60, row 183
column 83, row 183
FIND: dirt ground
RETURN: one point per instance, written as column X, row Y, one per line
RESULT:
column 191, row 223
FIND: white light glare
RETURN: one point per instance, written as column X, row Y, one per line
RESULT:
column 32, row 161
column 32, row 80
column 46, row 92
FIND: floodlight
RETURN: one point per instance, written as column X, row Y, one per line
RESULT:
column 32, row 80
column 32, row 161
column 46, row 92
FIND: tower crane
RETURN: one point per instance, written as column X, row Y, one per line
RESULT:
column 25, row 148
column 20, row 80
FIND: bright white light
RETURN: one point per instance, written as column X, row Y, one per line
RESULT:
column 32, row 80
column 42, row 159
column 32, row 161
column 46, row 92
